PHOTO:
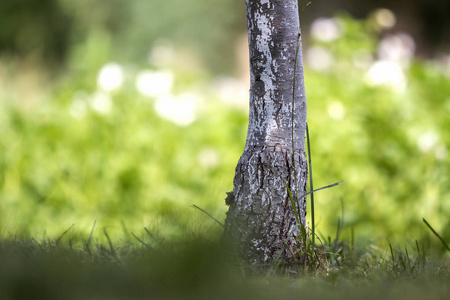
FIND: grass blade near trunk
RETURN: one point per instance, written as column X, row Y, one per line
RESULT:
column 218, row 222
column 436, row 234
column 311, row 186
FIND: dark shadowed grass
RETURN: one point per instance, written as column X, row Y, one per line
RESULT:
column 198, row 268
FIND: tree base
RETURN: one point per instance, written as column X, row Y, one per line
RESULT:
column 261, row 223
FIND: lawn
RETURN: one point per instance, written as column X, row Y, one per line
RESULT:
column 200, row 268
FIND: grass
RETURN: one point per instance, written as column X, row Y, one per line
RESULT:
column 196, row 267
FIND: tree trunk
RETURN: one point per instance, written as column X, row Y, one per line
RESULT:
column 261, row 218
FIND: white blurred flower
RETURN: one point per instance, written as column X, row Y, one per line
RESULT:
column 162, row 53
column 362, row 59
column 336, row 111
column 154, row 83
column 232, row 91
column 110, row 77
column 441, row 152
column 386, row 73
column 208, row 158
column 398, row 48
column 384, row 18
column 79, row 107
column 180, row 109
column 101, row 102
column 325, row 30
column 443, row 63
column 319, row 58
column 427, row 141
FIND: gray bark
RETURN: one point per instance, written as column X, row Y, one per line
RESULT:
column 260, row 215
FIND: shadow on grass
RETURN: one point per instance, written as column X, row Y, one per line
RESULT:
column 196, row 268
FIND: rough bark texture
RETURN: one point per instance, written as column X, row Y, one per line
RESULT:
column 261, row 216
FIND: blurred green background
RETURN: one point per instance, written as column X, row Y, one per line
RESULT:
column 130, row 112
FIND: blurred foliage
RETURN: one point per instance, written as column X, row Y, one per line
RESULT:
column 208, row 28
column 48, row 29
column 34, row 28
column 64, row 159
column 390, row 178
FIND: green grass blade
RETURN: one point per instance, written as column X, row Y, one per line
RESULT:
column 353, row 240
column 125, row 230
column 277, row 259
column 141, row 241
column 436, row 234
column 392, row 255
column 402, row 262
column 149, row 233
column 322, row 188
column 338, row 231
column 292, row 201
column 153, row 237
column 195, row 206
column 340, row 223
column 111, row 247
column 311, row 186
column 90, row 238
column 60, row 237
column 408, row 259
